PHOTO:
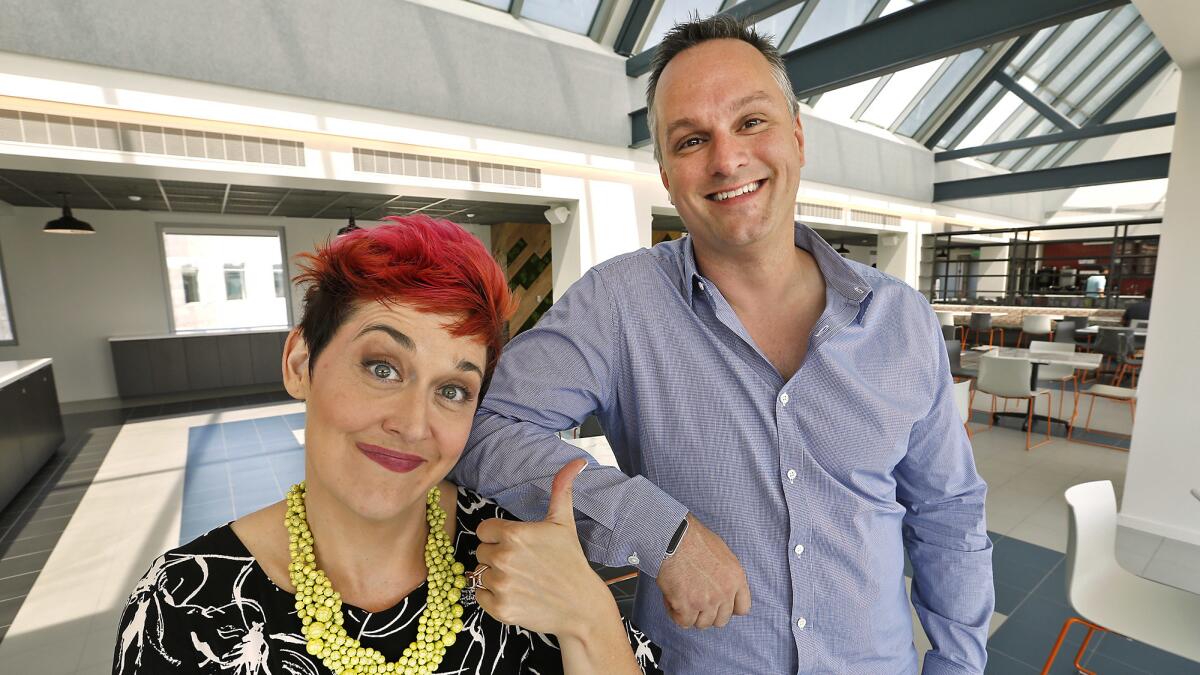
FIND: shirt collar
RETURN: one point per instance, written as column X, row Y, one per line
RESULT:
column 840, row 275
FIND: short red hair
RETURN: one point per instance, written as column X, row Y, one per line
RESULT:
column 432, row 265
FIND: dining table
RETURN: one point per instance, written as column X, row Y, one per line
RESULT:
column 1076, row 360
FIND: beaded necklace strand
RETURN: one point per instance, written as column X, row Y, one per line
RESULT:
column 320, row 607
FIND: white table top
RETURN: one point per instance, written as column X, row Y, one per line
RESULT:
column 11, row 371
column 1075, row 359
column 943, row 311
column 1093, row 330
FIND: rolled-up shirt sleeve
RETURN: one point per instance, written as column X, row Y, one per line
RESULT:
column 945, row 531
column 551, row 378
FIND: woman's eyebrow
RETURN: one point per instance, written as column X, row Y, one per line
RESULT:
column 400, row 338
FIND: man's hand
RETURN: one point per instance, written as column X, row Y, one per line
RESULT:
column 703, row 584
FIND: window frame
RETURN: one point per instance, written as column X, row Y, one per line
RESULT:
column 8, row 307
column 164, row 228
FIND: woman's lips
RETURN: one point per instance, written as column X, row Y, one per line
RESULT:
column 390, row 459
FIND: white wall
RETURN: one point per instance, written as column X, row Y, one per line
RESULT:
column 71, row 293
column 1164, row 459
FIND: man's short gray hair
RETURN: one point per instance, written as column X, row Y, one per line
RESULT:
column 717, row 27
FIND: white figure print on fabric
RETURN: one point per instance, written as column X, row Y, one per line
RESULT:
column 208, row 607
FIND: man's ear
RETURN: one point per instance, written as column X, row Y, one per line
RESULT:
column 799, row 131
column 296, row 377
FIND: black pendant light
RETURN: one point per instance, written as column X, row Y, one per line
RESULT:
column 68, row 224
column 350, row 226
column 842, row 248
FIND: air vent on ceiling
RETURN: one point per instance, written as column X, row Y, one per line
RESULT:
column 807, row 210
column 81, row 132
column 427, row 166
column 872, row 218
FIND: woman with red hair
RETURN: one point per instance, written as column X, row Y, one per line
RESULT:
column 375, row 563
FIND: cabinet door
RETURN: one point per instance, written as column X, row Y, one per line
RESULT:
column 12, row 465
column 131, row 363
column 236, row 364
column 203, row 362
column 267, row 358
column 168, row 365
column 40, row 439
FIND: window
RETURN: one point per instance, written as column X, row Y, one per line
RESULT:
column 235, row 281
column 8, row 332
column 191, row 284
column 224, row 278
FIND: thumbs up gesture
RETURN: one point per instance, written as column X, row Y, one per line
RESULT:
column 534, row 574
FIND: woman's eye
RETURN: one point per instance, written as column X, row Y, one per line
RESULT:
column 383, row 371
column 455, row 393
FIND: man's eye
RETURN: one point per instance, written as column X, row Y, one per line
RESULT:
column 689, row 143
column 383, row 371
column 753, row 122
column 453, row 392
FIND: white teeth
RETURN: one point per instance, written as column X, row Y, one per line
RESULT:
column 749, row 187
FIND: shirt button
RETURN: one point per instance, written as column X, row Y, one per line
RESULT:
column 801, row 623
column 634, row 559
column 784, row 398
column 799, row 549
column 700, row 284
column 791, row 474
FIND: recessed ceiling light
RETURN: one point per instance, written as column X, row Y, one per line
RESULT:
column 135, row 198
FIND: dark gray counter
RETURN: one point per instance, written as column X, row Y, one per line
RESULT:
column 31, row 429
column 169, row 364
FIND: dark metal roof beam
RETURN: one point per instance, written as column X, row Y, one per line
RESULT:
column 1152, row 122
column 1058, row 178
column 162, row 191
column 1034, row 102
column 631, row 28
column 921, row 33
column 977, row 91
column 750, row 11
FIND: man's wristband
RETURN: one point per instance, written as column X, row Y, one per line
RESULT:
column 678, row 537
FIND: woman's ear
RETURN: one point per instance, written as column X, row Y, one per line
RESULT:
column 296, row 378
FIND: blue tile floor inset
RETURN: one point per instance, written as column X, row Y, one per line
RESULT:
column 236, row 468
column 1036, row 612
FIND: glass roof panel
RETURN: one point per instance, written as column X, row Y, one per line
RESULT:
column 899, row 92
column 946, row 83
column 573, row 15
column 896, row 6
column 1113, row 70
column 841, row 103
column 776, row 26
column 1131, row 68
column 952, row 138
column 1091, row 50
column 677, row 11
column 992, row 120
column 830, row 18
column 1062, row 46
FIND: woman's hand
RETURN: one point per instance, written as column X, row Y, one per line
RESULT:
column 537, row 576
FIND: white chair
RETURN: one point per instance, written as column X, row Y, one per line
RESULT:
column 1009, row 379
column 1111, row 393
column 1034, row 325
column 1060, row 374
column 947, row 319
column 962, row 397
column 1111, row 599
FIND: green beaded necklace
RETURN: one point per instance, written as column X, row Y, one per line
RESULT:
column 320, row 607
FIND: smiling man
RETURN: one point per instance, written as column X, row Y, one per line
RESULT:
column 783, row 417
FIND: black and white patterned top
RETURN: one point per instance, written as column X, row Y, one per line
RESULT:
column 207, row 607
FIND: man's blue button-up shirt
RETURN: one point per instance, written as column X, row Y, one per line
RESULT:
column 818, row 483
